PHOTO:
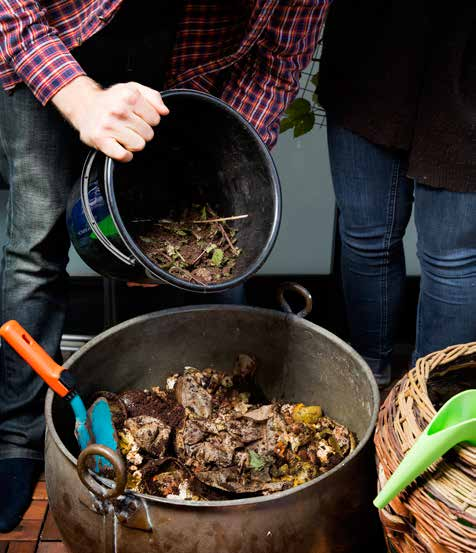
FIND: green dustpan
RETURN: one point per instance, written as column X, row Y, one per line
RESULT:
column 454, row 423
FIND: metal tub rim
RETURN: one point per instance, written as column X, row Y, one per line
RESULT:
column 233, row 502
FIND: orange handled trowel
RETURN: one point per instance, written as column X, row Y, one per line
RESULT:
column 93, row 426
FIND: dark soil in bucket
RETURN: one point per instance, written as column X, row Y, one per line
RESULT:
column 196, row 245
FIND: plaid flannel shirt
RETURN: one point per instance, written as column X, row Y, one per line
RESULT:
column 248, row 52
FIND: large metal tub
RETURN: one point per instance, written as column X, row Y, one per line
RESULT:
column 298, row 361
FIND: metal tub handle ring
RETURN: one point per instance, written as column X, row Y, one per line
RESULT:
column 300, row 291
column 91, row 483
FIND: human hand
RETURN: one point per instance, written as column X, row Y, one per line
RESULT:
column 117, row 121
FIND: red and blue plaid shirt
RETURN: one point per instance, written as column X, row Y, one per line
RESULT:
column 248, row 52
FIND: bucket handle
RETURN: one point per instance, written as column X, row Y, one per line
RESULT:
column 90, row 217
column 92, row 484
column 299, row 290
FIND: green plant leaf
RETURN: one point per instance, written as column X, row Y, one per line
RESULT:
column 315, row 79
column 298, row 108
column 304, row 125
column 256, row 462
column 286, row 124
column 315, row 82
column 217, row 257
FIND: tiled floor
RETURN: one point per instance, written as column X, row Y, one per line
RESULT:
column 37, row 532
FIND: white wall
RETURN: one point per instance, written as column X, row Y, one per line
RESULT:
column 305, row 241
column 413, row 265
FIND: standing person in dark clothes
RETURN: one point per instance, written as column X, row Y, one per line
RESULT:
column 398, row 82
column 55, row 58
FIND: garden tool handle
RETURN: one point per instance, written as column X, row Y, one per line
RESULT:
column 19, row 339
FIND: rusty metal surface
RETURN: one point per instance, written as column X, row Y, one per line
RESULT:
column 297, row 360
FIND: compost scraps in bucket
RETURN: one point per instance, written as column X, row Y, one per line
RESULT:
column 198, row 246
column 210, row 435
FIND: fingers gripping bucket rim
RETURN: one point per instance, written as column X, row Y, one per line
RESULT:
column 263, row 199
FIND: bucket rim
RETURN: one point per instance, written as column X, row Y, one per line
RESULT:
column 375, row 401
column 163, row 275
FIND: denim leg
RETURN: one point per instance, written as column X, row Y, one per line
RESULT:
column 446, row 226
column 39, row 149
column 375, row 202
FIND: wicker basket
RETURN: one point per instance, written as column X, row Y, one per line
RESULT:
column 437, row 513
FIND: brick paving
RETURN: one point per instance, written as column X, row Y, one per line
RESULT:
column 37, row 532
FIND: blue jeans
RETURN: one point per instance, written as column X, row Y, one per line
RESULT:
column 375, row 200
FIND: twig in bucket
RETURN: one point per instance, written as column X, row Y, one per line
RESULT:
column 180, row 255
column 167, row 257
column 197, row 259
column 165, row 222
column 227, row 238
column 221, row 219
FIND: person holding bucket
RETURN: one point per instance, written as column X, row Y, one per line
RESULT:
column 91, row 70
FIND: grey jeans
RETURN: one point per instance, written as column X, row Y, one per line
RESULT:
column 40, row 157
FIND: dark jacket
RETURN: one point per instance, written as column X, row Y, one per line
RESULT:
column 403, row 75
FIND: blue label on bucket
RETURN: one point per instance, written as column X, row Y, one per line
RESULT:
column 78, row 225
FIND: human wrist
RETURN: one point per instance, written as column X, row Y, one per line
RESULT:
column 71, row 99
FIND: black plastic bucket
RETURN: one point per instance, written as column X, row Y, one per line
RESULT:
column 203, row 150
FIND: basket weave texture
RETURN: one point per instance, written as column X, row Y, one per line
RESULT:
column 437, row 513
